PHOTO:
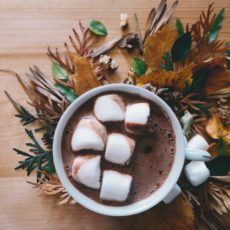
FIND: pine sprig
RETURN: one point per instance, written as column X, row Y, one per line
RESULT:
column 38, row 157
column 25, row 116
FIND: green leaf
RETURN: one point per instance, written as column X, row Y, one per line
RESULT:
column 221, row 147
column 168, row 64
column 219, row 166
column 139, row 67
column 179, row 27
column 215, row 27
column 58, row 72
column 181, row 47
column 97, row 27
column 66, row 91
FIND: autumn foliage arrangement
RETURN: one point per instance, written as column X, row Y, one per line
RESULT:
column 186, row 65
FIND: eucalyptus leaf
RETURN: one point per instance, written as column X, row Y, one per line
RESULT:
column 97, row 27
column 215, row 27
column 66, row 91
column 58, row 72
column 179, row 27
column 181, row 47
column 219, row 166
column 139, row 67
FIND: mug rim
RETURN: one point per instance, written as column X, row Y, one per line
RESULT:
column 139, row 206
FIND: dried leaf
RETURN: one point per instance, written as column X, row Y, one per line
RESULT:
column 219, row 148
column 218, row 79
column 108, row 45
column 216, row 129
column 84, row 78
column 59, row 72
column 212, row 150
column 164, row 79
column 179, row 27
column 157, row 45
column 181, row 47
column 139, row 67
column 216, row 25
column 67, row 92
column 168, row 14
column 97, row 27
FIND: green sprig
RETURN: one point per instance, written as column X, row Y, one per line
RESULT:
column 38, row 157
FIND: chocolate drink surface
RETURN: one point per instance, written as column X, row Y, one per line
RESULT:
column 152, row 159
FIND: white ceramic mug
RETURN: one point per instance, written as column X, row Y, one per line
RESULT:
column 148, row 202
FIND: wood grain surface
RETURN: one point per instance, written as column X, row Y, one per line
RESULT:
column 27, row 28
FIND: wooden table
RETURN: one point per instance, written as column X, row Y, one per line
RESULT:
column 27, row 28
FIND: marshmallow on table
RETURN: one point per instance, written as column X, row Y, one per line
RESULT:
column 89, row 134
column 197, row 155
column 109, row 107
column 196, row 149
column 137, row 117
column 86, row 170
column 119, row 148
column 198, row 142
column 196, row 172
column 115, row 186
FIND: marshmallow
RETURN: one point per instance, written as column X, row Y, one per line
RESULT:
column 115, row 186
column 198, row 142
column 86, row 170
column 176, row 190
column 119, row 148
column 89, row 134
column 137, row 118
column 197, row 155
column 197, row 172
column 109, row 107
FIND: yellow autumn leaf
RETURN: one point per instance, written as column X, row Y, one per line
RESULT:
column 173, row 79
column 216, row 129
column 157, row 45
column 84, row 78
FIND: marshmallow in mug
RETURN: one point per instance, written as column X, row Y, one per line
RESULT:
column 137, row 118
column 89, row 134
column 86, row 170
column 119, row 148
column 196, row 172
column 115, row 186
column 109, row 107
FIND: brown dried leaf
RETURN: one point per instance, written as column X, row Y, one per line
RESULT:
column 216, row 129
column 175, row 80
column 157, row 44
column 212, row 150
column 218, row 79
column 84, row 78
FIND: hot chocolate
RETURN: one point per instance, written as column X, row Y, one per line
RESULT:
column 150, row 162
